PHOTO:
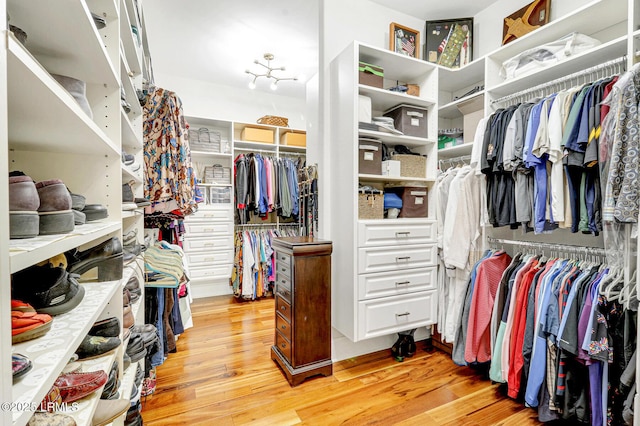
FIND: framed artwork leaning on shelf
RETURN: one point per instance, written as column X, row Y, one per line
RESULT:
column 404, row 40
column 449, row 42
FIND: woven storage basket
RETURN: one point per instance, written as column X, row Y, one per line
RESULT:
column 370, row 206
column 411, row 165
column 274, row 120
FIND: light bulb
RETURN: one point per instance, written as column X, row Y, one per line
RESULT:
column 252, row 84
column 274, row 85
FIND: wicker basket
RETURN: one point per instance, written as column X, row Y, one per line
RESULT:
column 370, row 206
column 274, row 120
column 411, row 165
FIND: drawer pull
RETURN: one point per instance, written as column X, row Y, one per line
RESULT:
column 284, row 345
column 284, row 327
column 209, row 259
column 208, row 230
column 284, row 269
column 403, row 282
column 403, row 234
column 398, row 259
column 209, row 244
column 406, row 314
column 209, row 215
column 283, row 308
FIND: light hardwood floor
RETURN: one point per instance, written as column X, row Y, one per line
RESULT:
column 222, row 374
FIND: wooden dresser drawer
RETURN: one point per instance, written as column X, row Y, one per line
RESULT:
column 283, row 326
column 371, row 234
column 210, row 258
column 380, row 259
column 388, row 315
column 284, row 346
column 200, row 244
column 283, row 287
column 283, row 268
column 283, row 259
column 283, row 308
column 384, row 284
column 213, row 229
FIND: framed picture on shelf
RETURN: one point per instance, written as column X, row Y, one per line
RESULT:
column 404, row 40
column 449, row 42
column 532, row 16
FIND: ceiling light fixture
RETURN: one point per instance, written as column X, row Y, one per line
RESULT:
column 269, row 74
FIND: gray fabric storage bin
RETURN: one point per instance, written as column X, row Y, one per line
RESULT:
column 409, row 119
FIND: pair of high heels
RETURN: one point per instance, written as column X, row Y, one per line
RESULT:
column 404, row 347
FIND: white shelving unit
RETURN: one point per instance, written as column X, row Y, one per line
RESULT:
column 370, row 297
column 49, row 136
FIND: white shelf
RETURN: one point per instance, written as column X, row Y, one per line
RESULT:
column 607, row 51
column 211, row 154
column 396, row 66
column 131, row 49
column 248, row 146
column 35, row 97
column 456, row 151
column 216, row 185
column 79, row 53
column 454, row 79
column 389, row 138
column 385, row 99
column 127, row 381
column 589, row 19
column 51, row 352
column 135, row 307
column 292, row 148
column 27, row 252
column 128, row 174
column 451, row 110
column 130, row 92
column 381, row 178
column 129, row 214
column 130, row 137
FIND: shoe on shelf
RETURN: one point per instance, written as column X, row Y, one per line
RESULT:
column 134, row 418
column 28, row 325
column 128, row 319
column 110, row 389
column 137, row 380
column 133, row 286
column 127, row 193
column 77, row 89
column 43, row 418
column 109, row 410
column 149, row 383
column 95, row 346
column 56, row 216
column 24, row 201
column 126, row 361
column 77, row 201
column 107, row 257
column 75, row 386
column 98, row 20
column 109, row 327
column 49, row 290
column 20, row 365
column 79, row 218
column 57, row 261
column 148, row 333
column 135, row 348
column 95, row 212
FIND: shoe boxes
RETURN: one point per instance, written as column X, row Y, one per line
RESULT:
column 293, row 139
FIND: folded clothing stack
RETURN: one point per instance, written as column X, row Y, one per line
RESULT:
column 163, row 266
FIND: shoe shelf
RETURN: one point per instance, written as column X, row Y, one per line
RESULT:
column 83, row 412
column 131, row 50
column 129, row 214
column 51, row 352
column 389, row 138
column 130, row 91
column 128, row 174
column 35, row 97
column 131, row 138
column 128, row 378
column 27, row 252
column 64, row 52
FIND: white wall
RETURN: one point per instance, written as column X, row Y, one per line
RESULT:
column 205, row 99
column 487, row 24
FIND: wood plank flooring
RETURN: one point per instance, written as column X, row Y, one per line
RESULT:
column 222, row 374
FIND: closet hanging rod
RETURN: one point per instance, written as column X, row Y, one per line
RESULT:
column 264, row 225
column 549, row 246
column 259, row 151
column 621, row 60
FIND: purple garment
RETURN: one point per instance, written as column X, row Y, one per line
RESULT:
column 595, row 392
column 584, row 324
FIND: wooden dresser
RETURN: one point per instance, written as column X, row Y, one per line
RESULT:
column 303, row 308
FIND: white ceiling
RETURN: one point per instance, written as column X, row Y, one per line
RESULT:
column 216, row 41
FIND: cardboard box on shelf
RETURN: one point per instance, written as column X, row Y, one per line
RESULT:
column 371, row 75
column 293, row 139
column 255, row 134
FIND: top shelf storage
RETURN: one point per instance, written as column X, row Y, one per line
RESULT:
column 396, row 66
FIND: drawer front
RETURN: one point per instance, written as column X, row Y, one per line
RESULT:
column 381, row 259
column 206, row 216
column 210, row 258
column 213, row 229
column 283, row 258
column 283, row 308
column 283, row 326
column 200, row 244
column 283, row 286
column 379, row 317
column 283, row 268
column 284, row 346
column 384, row 284
column 214, row 272
column 383, row 234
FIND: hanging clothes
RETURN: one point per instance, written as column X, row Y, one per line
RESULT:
column 170, row 183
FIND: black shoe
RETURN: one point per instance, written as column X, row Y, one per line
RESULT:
column 49, row 290
column 135, row 347
column 107, row 257
column 95, row 346
column 109, row 327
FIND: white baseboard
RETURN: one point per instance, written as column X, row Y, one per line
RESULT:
column 210, row 288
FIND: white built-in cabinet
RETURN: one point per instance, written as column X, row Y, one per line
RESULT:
column 209, row 233
column 383, row 272
column 45, row 134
